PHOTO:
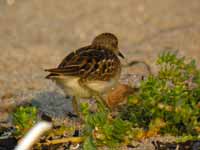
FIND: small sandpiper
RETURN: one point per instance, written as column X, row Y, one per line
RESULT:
column 90, row 71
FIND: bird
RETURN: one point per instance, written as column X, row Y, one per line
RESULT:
column 90, row 71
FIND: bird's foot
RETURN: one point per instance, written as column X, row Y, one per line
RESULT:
column 72, row 115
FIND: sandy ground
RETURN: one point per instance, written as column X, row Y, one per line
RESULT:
column 37, row 34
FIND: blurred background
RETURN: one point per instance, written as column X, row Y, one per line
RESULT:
column 37, row 34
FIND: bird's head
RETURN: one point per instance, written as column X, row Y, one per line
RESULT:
column 108, row 41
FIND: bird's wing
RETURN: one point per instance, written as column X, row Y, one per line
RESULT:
column 90, row 64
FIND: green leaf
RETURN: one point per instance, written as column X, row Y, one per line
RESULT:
column 24, row 118
column 88, row 144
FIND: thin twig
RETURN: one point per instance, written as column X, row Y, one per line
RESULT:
column 65, row 140
column 135, row 62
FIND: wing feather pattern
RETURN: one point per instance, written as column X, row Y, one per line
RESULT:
column 88, row 63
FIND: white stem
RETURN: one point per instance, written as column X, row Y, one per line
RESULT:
column 33, row 135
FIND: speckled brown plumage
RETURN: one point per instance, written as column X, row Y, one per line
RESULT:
column 94, row 62
column 90, row 64
column 93, row 68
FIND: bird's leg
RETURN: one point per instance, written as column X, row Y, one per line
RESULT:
column 95, row 95
column 75, row 106
column 73, row 114
column 99, row 100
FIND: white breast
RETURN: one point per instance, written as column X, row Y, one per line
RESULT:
column 102, row 86
column 71, row 86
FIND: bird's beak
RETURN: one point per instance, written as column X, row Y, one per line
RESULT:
column 121, row 55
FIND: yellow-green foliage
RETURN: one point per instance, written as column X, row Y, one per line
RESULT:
column 102, row 129
column 24, row 118
column 173, row 96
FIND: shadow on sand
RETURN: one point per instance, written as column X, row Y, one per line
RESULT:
column 53, row 104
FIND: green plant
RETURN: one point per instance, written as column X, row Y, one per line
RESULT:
column 173, row 96
column 102, row 129
column 24, row 118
